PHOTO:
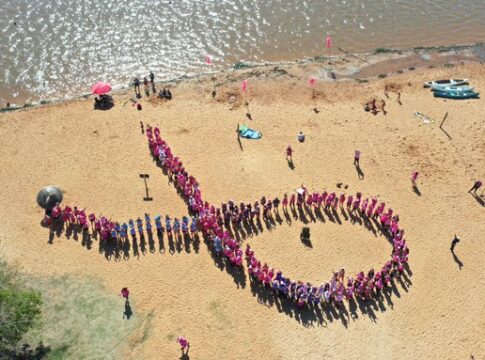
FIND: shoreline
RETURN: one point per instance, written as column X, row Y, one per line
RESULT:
column 341, row 67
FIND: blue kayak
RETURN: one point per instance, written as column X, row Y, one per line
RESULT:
column 458, row 95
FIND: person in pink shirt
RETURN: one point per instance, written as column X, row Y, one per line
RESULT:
column 284, row 202
column 292, row 201
column 184, row 343
column 289, row 154
column 414, row 177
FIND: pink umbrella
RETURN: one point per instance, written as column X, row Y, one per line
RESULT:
column 208, row 60
column 100, row 88
column 244, row 85
column 328, row 41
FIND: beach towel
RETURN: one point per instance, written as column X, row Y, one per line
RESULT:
column 424, row 118
column 248, row 133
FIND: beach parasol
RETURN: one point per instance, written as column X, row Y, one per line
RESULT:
column 100, row 88
column 48, row 197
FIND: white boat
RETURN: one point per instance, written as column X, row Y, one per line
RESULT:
column 445, row 82
column 463, row 87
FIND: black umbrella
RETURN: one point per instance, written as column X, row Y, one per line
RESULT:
column 48, row 197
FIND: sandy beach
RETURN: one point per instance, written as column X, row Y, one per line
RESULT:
column 96, row 157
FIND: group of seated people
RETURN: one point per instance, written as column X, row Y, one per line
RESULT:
column 165, row 94
column 103, row 101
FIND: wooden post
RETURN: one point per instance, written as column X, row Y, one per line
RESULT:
column 145, row 177
column 442, row 122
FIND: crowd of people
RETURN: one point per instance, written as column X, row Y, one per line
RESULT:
column 233, row 216
column 187, row 185
column 108, row 229
column 216, row 223
column 339, row 288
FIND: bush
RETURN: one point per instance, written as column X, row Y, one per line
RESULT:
column 19, row 311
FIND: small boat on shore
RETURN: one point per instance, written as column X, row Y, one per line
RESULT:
column 456, row 95
column 447, row 82
column 462, row 87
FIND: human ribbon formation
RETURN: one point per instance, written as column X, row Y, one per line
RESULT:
column 217, row 224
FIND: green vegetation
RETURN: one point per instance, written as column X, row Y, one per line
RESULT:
column 76, row 318
column 81, row 320
column 383, row 51
column 19, row 312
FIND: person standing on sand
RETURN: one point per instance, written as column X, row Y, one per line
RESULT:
column 414, row 177
column 136, row 85
column 152, row 80
column 477, row 185
column 145, row 84
column 125, row 292
column 184, row 343
column 289, row 154
column 357, row 158
column 455, row 241
column 373, row 107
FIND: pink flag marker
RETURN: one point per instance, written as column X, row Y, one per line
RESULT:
column 312, row 81
column 328, row 42
column 208, row 60
column 244, row 85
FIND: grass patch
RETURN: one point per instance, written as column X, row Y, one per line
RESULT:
column 383, row 51
column 217, row 309
column 80, row 319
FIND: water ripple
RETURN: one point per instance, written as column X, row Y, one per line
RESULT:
column 60, row 47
